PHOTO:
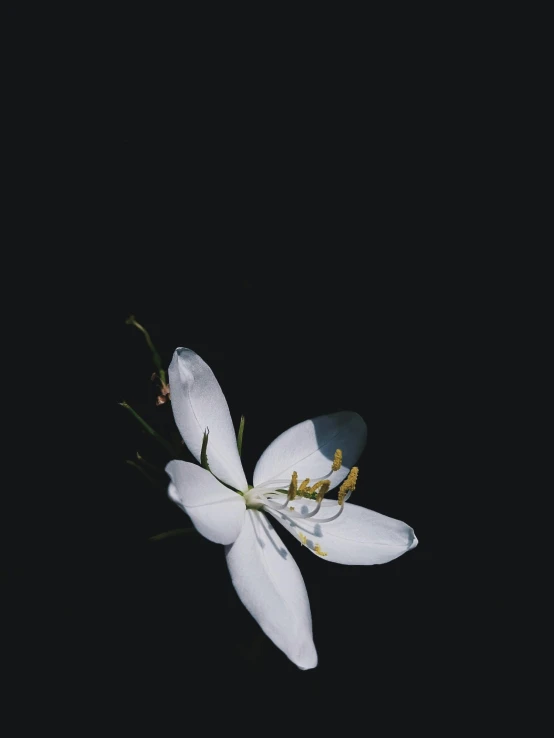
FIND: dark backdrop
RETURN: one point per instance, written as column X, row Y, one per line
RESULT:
column 308, row 288
column 309, row 257
column 169, row 608
column 129, row 622
column 358, row 326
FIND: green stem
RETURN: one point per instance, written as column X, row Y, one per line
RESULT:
column 240, row 435
column 149, row 429
column 131, row 320
column 173, row 534
column 203, row 452
column 143, row 471
column 148, row 465
column 206, row 466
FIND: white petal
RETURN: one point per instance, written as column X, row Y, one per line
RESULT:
column 309, row 449
column 359, row 536
column 199, row 403
column 216, row 512
column 269, row 584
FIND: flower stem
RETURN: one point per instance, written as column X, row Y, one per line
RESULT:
column 148, row 465
column 204, row 451
column 204, row 461
column 131, row 320
column 173, row 534
column 149, row 429
column 240, row 435
column 143, row 471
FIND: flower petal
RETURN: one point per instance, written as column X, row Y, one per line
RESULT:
column 309, row 449
column 359, row 536
column 199, row 403
column 270, row 585
column 216, row 512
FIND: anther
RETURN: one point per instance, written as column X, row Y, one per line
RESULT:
column 311, row 491
column 323, row 490
column 349, row 485
column 337, row 461
column 315, row 493
column 293, row 489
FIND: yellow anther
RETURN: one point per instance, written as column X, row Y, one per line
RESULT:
column 318, row 485
column 291, row 508
column 337, row 461
column 323, row 490
column 293, row 489
column 303, row 538
column 349, row 485
column 318, row 550
column 304, row 485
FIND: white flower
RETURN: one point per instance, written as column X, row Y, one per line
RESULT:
column 323, row 451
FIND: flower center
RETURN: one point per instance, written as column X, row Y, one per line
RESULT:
column 279, row 500
column 256, row 497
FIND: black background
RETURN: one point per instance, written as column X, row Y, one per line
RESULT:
column 307, row 265
column 296, row 320
column 167, row 610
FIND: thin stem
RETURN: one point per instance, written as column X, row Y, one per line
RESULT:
column 204, row 461
column 149, row 429
column 147, row 464
column 204, row 451
column 173, row 534
column 131, row 320
column 143, row 471
column 240, row 435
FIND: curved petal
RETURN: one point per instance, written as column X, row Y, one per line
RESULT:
column 216, row 512
column 269, row 584
column 360, row 536
column 199, row 403
column 309, row 449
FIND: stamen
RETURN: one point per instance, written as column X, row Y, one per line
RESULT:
column 316, row 493
column 319, row 499
column 293, row 489
column 340, row 512
column 345, row 493
column 349, row 485
column 270, row 505
column 311, row 491
column 303, row 538
column 323, row 490
column 337, row 461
